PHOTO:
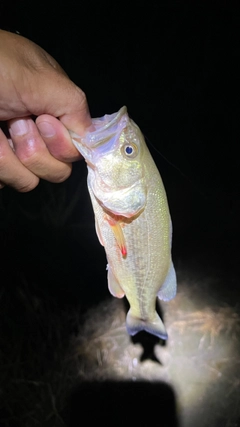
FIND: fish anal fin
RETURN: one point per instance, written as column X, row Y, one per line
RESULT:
column 169, row 288
column 113, row 285
column 118, row 233
column 154, row 327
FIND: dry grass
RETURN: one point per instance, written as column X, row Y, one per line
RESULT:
column 210, row 323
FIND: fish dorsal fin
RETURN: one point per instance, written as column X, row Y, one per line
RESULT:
column 118, row 233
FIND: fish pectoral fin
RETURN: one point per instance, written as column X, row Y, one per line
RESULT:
column 118, row 233
column 154, row 327
column 113, row 285
column 169, row 287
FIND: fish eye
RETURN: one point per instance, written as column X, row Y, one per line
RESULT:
column 130, row 150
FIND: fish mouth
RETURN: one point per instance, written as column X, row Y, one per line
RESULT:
column 106, row 132
column 104, row 125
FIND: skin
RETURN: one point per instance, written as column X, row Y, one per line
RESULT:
column 38, row 105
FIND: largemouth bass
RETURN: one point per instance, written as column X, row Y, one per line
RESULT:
column 131, row 216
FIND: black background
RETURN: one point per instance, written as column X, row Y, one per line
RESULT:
column 175, row 66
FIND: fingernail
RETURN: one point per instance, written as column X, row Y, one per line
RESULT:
column 46, row 129
column 19, row 127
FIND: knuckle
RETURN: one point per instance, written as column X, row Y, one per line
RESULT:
column 26, row 152
column 63, row 174
column 25, row 187
column 83, row 98
column 29, row 154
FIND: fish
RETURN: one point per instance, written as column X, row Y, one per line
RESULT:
column 132, row 218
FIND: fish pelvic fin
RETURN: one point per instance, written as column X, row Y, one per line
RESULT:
column 118, row 233
column 154, row 327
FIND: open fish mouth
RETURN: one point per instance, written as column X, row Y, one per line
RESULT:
column 106, row 127
column 104, row 133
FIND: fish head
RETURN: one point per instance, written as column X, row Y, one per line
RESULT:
column 114, row 155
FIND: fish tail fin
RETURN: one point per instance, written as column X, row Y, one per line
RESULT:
column 154, row 327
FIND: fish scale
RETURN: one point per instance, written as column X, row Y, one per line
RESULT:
column 132, row 217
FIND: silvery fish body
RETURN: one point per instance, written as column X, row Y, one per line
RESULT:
column 132, row 218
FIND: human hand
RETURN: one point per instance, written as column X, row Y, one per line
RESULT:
column 33, row 85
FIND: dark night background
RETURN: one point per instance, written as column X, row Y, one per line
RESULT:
column 175, row 66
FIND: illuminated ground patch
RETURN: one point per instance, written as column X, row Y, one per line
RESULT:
column 201, row 360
